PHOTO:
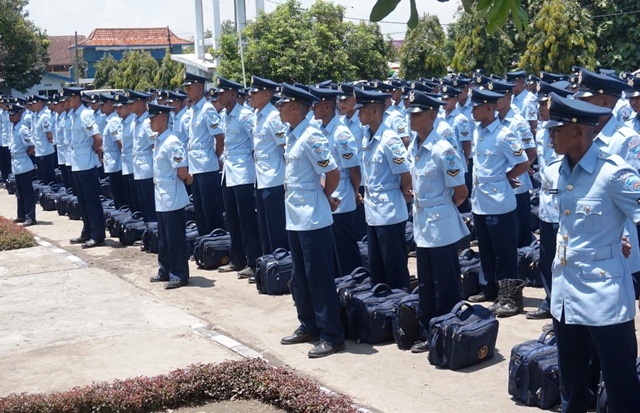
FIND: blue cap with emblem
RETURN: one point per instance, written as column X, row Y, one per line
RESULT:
column 634, row 82
column 551, row 77
column 421, row 102
column 324, row 83
column 365, row 97
column 499, row 86
column 155, row 110
column 531, row 79
column 421, row 87
column 68, row 92
column 190, row 78
column 382, row 86
column 291, row 93
column 92, row 97
column 515, row 75
column 347, row 89
column 448, row 91
column 460, row 82
column 481, row 80
column 260, row 83
column 213, row 94
column 545, row 89
column 223, row 85
column 136, row 96
column 14, row 108
column 162, row 95
column 564, row 111
column 480, row 96
column 593, row 84
column 38, row 98
column 107, row 97
column 325, row 94
column 54, row 99
column 120, row 99
column 175, row 96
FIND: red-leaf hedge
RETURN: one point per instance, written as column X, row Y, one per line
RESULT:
column 13, row 236
column 198, row 384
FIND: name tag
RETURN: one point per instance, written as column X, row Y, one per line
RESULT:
column 553, row 191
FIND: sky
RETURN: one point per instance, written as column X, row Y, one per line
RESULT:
column 64, row 17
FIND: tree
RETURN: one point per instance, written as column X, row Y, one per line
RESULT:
column 422, row 54
column 475, row 48
column 136, row 71
column 562, row 37
column 367, row 51
column 23, row 47
column 169, row 76
column 106, row 70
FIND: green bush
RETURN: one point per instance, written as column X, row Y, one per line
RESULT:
column 13, row 236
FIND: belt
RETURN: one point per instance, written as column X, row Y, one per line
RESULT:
column 382, row 188
column 425, row 203
column 587, row 254
column 262, row 156
column 302, row 186
column 237, row 151
column 488, row 179
column 200, row 145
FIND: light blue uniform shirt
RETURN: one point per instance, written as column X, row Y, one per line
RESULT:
column 396, row 121
column 345, row 152
column 126, row 136
column 525, row 105
column 591, row 281
column 83, row 128
column 101, row 119
column 462, row 128
column 205, row 124
column 307, row 157
column 446, row 132
column 358, row 132
column 3, row 130
column 269, row 137
column 143, row 140
column 169, row 154
column 496, row 149
column 20, row 161
column 385, row 158
column 436, row 167
column 634, row 122
column 239, row 166
column 622, row 110
column 58, row 137
column 520, row 127
column 41, row 125
column 548, row 211
column 67, row 126
column 181, row 123
column 111, row 154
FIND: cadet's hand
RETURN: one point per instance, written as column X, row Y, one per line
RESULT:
column 359, row 198
column 333, row 203
column 97, row 147
column 408, row 195
column 626, row 247
column 188, row 180
column 515, row 183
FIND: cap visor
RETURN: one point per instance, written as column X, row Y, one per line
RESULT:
column 552, row 124
column 582, row 94
column 415, row 109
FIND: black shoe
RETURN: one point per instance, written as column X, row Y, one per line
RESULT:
column 482, row 297
column 230, row 268
column 248, row 272
column 175, row 284
column 298, row 336
column 325, row 348
column 92, row 243
column 158, row 279
column 252, row 280
column 538, row 314
column 420, row 347
column 78, row 240
column 18, row 220
column 29, row 222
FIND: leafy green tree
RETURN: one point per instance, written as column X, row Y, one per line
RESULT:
column 475, row 48
column 23, row 47
column 561, row 37
column 449, row 47
column 106, row 70
column 422, row 52
column 367, row 51
column 136, row 71
column 169, row 76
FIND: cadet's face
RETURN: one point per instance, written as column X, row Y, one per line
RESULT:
column 504, row 102
column 158, row 122
column 259, row 99
column 320, row 110
column 562, row 137
column 366, row 114
column 194, row 91
column 635, row 104
column 346, row 105
column 286, row 110
column 123, row 111
column 450, row 103
column 544, row 112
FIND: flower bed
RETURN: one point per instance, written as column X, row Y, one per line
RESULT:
column 198, row 384
column 13, row 236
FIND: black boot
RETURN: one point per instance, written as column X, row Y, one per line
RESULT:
column 512, row 303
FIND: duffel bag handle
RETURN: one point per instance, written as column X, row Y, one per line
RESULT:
column 359, row 274
column 545, row 334
column 458, row 307
column 124, row 208
column 102, row 198
column 415, row 290
column 218, row 232
column 380, row 289
column 191, row 224
column 364, row 239
column 280, row 253
column 136, row 215
column 55, row 187
column 69, row 191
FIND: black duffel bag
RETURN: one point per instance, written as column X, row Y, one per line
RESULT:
column 191, row 231
column 273, row 272
column 374, row 311
column 212, row 250
column 405, row 323
column 150, row 238
column 132, row 229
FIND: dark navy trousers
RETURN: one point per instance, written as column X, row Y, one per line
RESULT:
column 523, row 219
column 242, row 223
column 207, row 204
column 88, row 191
column 146, row 199
column 25, row 196
column 132, row 193
column 271, row 219
column 67, row 178
column 548, row 232
column 387, row 248
column 616, row 347
column 438, row 283
column 347, row 254
column 118, row 189
column 173, row 257
column 497, row 247
column 5, row 162
column 313, row 283
column 47, row 168
column 361, row 220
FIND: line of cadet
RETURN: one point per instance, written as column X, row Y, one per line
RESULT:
column 315, row 168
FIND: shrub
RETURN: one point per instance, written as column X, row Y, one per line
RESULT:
column 13, row 236
column 198, row 384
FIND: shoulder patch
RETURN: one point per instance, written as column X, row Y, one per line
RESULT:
column 450, row 152
column 323, row 163
column 398, row 160
column 453, row 172
column 518, row 152
column 634, row 147
column 631, row 181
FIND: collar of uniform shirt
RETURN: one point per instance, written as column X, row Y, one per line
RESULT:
column 587, row 163
column 266, row 109
column 235, row 110
column 199, row 103
column 492, row 127
column 608, row 130
column 299, row 130
column 332, row 125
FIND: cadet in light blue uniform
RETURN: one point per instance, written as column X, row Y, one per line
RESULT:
column 206, row 143
column 387, row 192
column 393, row 118
column 460, row 124
column 308, row 208
column 95, row 103
column 180, row 114
column 239, row 177
column 493, row 202
column 522, row 101
column 66, row 138
column 634, row 102
column 344, row 150
column 85, row 146
column 143, row 141
column 592, row 300
column 269, row 139
column 112, row 150
column 58, row 139
column 510, row 119
column 170, row 174
column 5, row 139
column 42, row 135
column 437, row 173
column 125, row 135
column 21, row 148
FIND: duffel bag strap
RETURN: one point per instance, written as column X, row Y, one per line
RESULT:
column 190, row 224
column 458, row 307
column 545, row 334
column 380, row 289
column 280, row 253
column 218, row 232
column 415, row 290
column 359, row 274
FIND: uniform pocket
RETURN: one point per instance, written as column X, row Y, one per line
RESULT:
column 588, row 215
column 302, row 198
